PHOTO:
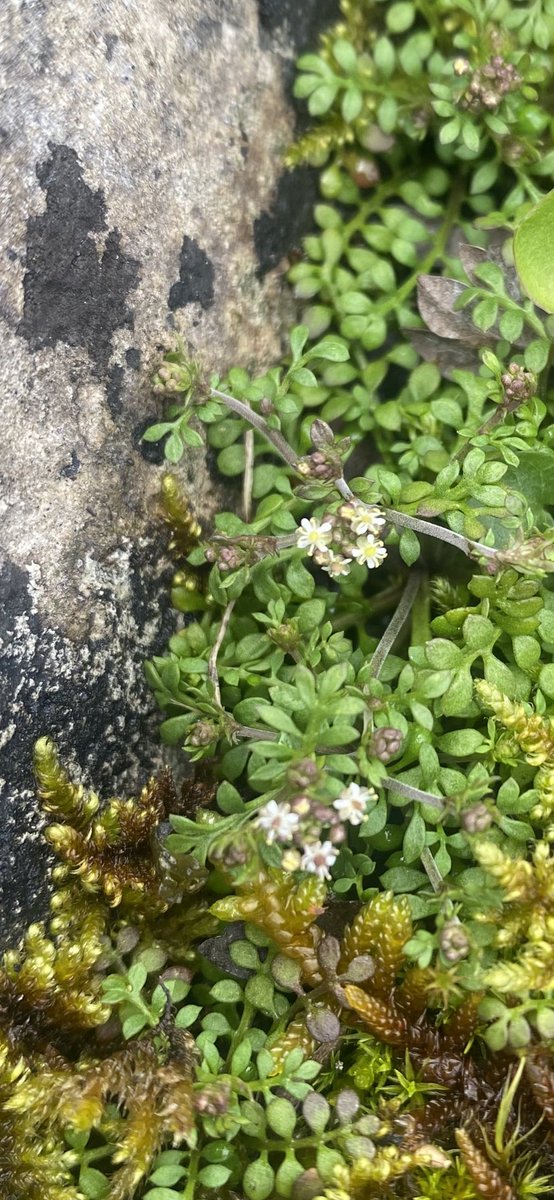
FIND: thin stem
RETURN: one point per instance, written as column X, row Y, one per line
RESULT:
column 421, row 615
column 248, row 474
column 212, row 661
column 396, row 624
column 248, row 414
column 431, row 870
column 412, row 793
column 194, row 1163
column 466, row 545
column 256, row 735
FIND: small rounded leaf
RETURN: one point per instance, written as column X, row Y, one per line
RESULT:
column 258, row 1180
column 281, row 1117
column 316, row 1112
column 347, row 1105
column 328, row 955
column 359, row 969
column 544, row 1022
column 286, row 973
column 308, row 1185
column 323, row 1025
column 534, row 253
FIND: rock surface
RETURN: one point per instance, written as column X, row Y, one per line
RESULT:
column 140, row 149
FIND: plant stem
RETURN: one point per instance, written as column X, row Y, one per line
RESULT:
column 466, row 545
column 396, row 623
column 248, row 414
column 194, row 1164
column 421, row 613
column 412, row 793
column 212, row 661
column 248, row 474
column 431, row 870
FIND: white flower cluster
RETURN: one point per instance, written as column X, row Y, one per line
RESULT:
column 336, row 529
column 281, row 823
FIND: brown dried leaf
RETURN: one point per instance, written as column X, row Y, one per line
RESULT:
column 436, row 297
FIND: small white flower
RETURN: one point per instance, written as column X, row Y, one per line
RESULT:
column 367, row 519
column 336, row 565
column 314, row 535
column 352, row 803
column 369, row 551
column 277, row 821
column 318, row 857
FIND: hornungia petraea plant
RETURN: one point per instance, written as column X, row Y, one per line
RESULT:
column 326, row 967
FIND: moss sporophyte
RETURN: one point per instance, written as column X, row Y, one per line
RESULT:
column 325, row 968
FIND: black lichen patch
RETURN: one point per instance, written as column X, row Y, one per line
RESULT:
column 72, row 468
column 74, row 292
column 152, row 452
column 50, row 686
column 282, row 228
column 196, row 278
column 132, row 358
column 302, row 22
column 113, row 390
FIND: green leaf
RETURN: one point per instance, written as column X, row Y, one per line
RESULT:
column 93, row 1183
column 484, row 177
column 173, row 448
column 403, row 879
column 345, row 54
column 322, row 99
column 352, row 104
column 299, row 580
column 450, row 131
column 544, row 1022
column 137, row 975
column 168, row 1175
column 400, row 16
column 133, row 1024
column 310, row 615
column 281, row 1117
column 258, row 1180
column 298, row 338
column 331, row 349
column 259, row 992
column 414, row 838
column 187, row 1015
column 534, row 253
column 231, row 460
column 241, row 1057
column 462, row 743
column 191, row 437
column 409, row 547
column 155, row 432
column 214, row 1176
column 546, row 680
column 226, row 992
column 536, row 356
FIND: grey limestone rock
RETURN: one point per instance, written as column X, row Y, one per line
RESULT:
column 141, row 196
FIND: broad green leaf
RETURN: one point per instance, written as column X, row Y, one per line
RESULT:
column 534, row 253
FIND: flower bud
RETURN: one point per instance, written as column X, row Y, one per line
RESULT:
column 476, row 819
column 453, row 941
column 386, row 743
